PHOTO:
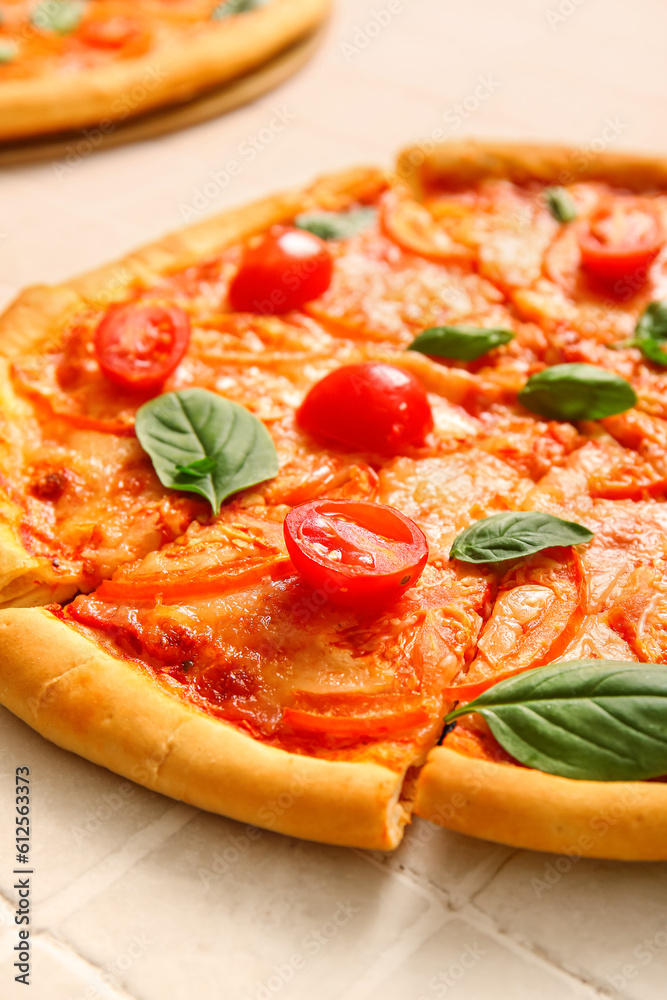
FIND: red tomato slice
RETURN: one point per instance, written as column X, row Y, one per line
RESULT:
column 467, row 692
column 284, row 270
column 216, row 580
column 114, row 33
column 372, row 406
column 622, row 240
column 412, row 226
column 354, row 726
column 138, row 346
column 358, row 554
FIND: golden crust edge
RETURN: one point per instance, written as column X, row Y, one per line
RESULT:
column 108, row 710
column 467, row 161
column 167, row 75
column 526, row 808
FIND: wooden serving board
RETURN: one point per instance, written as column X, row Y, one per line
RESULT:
column 209, row 105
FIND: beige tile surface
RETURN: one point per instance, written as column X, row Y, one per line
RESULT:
column 136, row 896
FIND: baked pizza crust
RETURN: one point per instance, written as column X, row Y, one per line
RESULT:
column 110, row 711
column 166, row 75
column 521, row 807
column 114, row 713
column 470, row 161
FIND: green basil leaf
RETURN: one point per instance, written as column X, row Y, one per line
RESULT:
column 336, row 225
column 651, row 334
column 8, row 51
column 653, row 322
column 461, row 342
column 560, row 204
column 202, row 443
column 60, row 16
column 601, row 720
column 577, row 392
column 198, row 467
column 515, row 534
column 228, row 8
column 652, row 351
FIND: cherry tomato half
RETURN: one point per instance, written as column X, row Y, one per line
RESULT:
column 623, row 239
column 285, row 269
column 138, row 346
column 372, row 406
column 113, row 33
column 359, row 554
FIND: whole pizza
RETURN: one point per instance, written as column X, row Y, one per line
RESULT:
column 349, row 505
column 68, row 64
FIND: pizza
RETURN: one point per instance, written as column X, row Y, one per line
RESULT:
column 71, row 64
column 349, row 506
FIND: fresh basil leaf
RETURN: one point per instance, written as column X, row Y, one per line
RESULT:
column 651, row 334
column 197, row 468
column 601, row 720
column 336, row 225
column 577, row 392
column 228, row 8
column 653, row 322
column 560, row 204
column 461, row 342
column 515, row 534
column 652, row 351
column 202, row 443
column 60, row 16
column 8, row 51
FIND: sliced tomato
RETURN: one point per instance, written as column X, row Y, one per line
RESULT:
column 411, row 225
column 286, row 268
column 622, row 240
column 115, row 33
column 537, row 612
column 137, row 346
column 216, row 580
column 372, row 406
column 466, row 692
column 358, row 554
column 354, row 727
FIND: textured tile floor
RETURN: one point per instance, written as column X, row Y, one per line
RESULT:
column 137, row 896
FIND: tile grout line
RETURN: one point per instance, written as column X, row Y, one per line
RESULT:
column 394, row 957
column 463, row 891
column 61, row 951
column 426, row 891
column 408, row 942
column 588, row 990
column 67, row 956
column 111, row 868
column 481, row 876
column 464, row 908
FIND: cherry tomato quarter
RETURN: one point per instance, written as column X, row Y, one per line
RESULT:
column 622, row 240
column 371, row 406
column 285, row 269
column 137, row 346
column 358, row 554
